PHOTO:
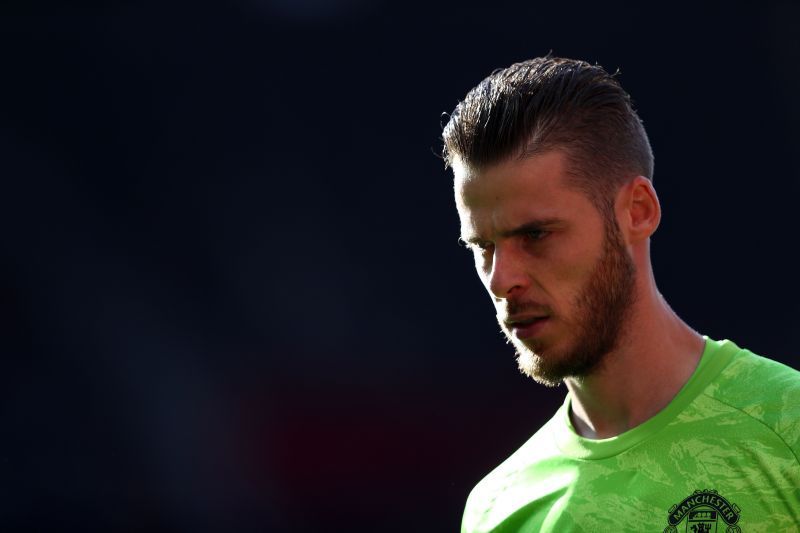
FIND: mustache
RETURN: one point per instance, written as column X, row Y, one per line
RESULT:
column 514, row 308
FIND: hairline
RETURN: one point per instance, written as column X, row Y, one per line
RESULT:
column 578, row 177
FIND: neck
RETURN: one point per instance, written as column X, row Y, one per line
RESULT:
column 655, row 356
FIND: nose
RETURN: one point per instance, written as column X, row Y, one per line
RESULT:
column 507, row 276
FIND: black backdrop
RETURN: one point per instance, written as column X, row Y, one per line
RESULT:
column 232, row 298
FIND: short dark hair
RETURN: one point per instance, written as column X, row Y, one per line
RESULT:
column 552, row 102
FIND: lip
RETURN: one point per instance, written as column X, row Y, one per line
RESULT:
column 527, row 327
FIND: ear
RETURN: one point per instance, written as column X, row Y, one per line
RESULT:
column 638, row 209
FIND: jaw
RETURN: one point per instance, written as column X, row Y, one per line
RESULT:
column 541, row 359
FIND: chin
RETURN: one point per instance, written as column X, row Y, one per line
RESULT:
column 540, row 363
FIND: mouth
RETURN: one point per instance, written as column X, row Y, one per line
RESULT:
column 526, row 328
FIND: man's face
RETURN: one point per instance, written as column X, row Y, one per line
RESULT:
column 558, row 272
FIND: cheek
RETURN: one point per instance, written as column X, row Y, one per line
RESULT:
column 569, row 274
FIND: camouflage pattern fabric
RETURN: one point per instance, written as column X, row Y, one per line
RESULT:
column 721, row 457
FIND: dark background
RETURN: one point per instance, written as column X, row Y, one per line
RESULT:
column 232, row 297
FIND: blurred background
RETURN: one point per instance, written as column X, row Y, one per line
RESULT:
column 232, row 297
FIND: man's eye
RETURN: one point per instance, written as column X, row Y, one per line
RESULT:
column 536, row 234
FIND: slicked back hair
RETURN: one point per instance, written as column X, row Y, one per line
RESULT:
column 547, row 103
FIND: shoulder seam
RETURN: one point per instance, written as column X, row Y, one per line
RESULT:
column 761, row 422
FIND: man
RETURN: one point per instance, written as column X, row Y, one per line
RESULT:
column 662, row 429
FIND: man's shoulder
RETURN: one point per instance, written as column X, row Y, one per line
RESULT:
column 538, row 447
column 749, row 379
column 763, row 389
column 524, row 465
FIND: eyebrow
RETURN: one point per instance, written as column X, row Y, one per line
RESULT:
column 532, row 225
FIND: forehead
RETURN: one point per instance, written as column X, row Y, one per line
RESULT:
column 515, row 192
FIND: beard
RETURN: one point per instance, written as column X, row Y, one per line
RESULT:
column 601, row 311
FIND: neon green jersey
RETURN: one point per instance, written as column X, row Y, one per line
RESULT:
column 721, row 457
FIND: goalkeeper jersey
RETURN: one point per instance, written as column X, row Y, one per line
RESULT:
column 721, row 457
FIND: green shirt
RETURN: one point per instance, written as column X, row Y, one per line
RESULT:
column 722, row 456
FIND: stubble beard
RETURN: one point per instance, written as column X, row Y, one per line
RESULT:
column 602, row 310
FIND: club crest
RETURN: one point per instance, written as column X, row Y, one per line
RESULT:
column 705, row 511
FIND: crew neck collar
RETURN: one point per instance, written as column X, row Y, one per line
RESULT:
column 716, row 355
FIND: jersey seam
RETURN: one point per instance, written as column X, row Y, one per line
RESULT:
column 761, row 422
